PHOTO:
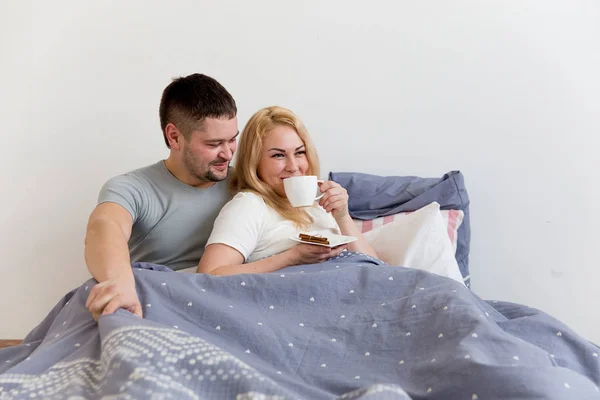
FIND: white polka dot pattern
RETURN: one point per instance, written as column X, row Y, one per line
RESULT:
column 159, row 356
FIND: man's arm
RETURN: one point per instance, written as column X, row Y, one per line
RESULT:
column 107, row 259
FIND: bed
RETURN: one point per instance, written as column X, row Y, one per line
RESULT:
column 9, row 342
column 353, row 327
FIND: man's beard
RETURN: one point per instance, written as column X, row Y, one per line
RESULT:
column 203, row 173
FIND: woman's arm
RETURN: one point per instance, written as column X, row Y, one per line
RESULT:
column 220, row 259
column 348, row 227
column 335, row 201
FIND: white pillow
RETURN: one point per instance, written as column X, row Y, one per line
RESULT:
column 452, row 219
column 418, row 240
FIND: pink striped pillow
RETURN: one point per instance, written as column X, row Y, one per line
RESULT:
column 452, row 218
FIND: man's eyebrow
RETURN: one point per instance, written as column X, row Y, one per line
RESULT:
column 221, row 140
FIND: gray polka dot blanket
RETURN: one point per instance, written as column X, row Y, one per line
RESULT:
column 349, row 328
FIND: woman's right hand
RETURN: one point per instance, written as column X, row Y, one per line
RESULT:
column 312, row 254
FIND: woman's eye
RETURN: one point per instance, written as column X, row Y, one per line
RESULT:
column 301, row 153
column 277, row 155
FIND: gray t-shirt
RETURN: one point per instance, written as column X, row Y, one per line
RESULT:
column 171, row 220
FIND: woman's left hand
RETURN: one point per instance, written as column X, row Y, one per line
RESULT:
column 334, row 200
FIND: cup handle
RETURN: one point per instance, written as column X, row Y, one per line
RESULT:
column 322, row 194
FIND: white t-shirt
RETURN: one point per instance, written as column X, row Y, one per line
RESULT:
column 250, row 226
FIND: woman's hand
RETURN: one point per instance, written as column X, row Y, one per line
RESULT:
column 334, row 200
column 312, row 254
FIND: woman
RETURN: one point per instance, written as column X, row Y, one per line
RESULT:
column 251, row 233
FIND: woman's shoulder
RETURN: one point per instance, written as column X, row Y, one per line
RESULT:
column 244, row 206
column 246, row 200
column 248, row 197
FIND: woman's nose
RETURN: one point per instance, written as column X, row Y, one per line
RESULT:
column 291, row 165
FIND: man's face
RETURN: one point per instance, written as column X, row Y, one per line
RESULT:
column 208, row 151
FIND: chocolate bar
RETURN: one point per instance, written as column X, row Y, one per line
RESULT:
column 318, row 239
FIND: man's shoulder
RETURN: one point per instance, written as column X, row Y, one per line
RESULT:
column 151, row 171
column 138, row 177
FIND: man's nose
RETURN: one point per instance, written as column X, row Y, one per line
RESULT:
column 226, row 154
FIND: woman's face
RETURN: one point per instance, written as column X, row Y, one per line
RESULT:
column 283, row 155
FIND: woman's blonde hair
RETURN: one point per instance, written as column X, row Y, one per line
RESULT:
column 250, row 148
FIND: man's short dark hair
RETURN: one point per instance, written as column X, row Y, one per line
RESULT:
column 189, row 100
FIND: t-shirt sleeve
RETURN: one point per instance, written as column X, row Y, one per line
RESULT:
column 126, row 192
column 239, row 223
column 323, row 220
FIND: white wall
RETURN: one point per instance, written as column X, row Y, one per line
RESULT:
column 507, row 92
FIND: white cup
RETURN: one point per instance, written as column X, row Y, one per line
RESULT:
column 301, row 190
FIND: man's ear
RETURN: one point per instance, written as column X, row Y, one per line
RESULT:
column 174, row 136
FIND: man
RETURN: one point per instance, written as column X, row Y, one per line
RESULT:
column 163, row 213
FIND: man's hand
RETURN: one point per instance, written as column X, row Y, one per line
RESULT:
column 108, row 296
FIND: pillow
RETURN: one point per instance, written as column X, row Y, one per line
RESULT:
column 374, row 196
column 417, row 240
column 452, row 220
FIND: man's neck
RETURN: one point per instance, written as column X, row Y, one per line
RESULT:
column 181, row 173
